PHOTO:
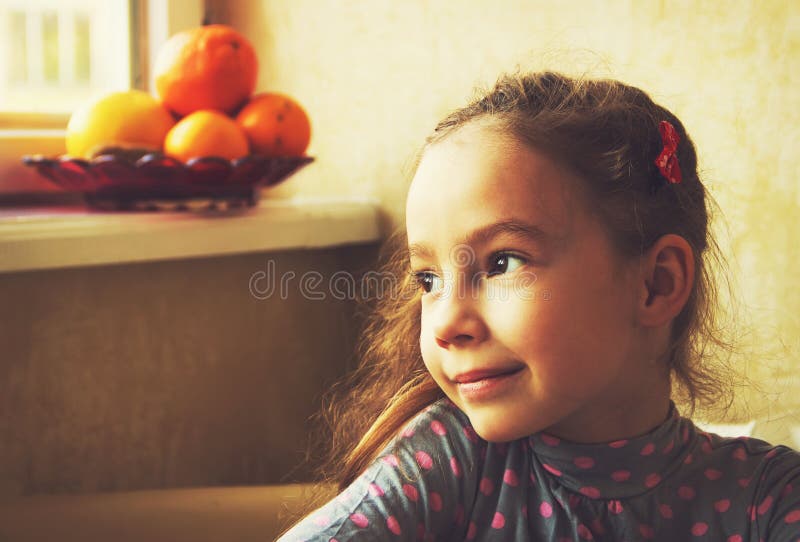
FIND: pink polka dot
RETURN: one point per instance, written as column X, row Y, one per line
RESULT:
column 668, row 448
column 486, row 486
column 739, row 454
column 652, row 480
column 393, row 525
column 722, row 505
column 454, row 466
column 545, row 509
column 666, row 511
column 735, row 538
column 436, row 501
column 786, row 490
column 584, row 532
column 618, row 443
column 550, row 440
column 551, row 469
column 743, row 482
column 792, row 517
column 686, row 493
column 764, row 506
column 620, row 475
column 706, row 447
column 615, row 507
column 751, row 512
column 390, row 460
column 646, row 531
column 424, row 460
column 499, row 521
column 699, row 528
column 688, row 459
column 458, row 518
column 411, row 492
column 648, row 449
column 771, row 453
column 471, row 531
column 360, row 520
column 589, row 491
column 584, row 462
column 375, row 490
column 510, row 477
column 471, row 435
column 438, row 428
column 713, row 474
column 322, row 521
column 407, row 432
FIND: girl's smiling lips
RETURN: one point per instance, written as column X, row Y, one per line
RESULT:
column 485, row 384
column 483, row 374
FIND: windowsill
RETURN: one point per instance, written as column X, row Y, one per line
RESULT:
column 57, row 237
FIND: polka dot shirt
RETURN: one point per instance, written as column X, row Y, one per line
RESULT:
column 439, row 481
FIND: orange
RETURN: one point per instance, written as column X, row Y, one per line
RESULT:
column 276, row 125
column 210, row 67
column 128, row 119
column 206, row 133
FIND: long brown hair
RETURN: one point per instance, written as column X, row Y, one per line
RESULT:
column 607, row 132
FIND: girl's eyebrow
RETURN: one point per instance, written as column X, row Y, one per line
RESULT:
column 511, row 226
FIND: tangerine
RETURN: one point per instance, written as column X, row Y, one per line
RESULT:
column 210, row 67
column 275, row 124
column 127, row 119
column 206, row 133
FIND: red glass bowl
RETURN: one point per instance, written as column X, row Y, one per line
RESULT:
column 155, row 181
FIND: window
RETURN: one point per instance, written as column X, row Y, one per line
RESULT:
column 55, row 54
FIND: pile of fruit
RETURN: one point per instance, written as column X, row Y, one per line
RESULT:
column 203, row 106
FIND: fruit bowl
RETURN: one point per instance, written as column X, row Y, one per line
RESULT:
column 120, row 180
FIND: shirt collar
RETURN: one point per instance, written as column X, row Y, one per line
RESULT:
column 622, row 468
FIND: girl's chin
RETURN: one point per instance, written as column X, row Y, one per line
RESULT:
column 493, row 425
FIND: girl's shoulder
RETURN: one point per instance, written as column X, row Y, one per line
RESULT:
column 770, row 474
column 442, row 417
column 441, row 432
column 441, row 423
column 750, row 450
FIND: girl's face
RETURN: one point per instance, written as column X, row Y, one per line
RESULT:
column 528, row 317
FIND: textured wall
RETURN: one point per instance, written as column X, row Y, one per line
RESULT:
column 167, row 374
column 376, row 75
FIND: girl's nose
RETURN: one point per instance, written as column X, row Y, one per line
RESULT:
column 458, row 321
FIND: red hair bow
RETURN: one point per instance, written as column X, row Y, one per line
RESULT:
column 667, row 161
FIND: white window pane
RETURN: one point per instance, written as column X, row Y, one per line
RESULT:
column 54, row 54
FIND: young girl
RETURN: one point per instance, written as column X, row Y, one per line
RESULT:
column 557, row 237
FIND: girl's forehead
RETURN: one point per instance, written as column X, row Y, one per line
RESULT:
column 477, row 176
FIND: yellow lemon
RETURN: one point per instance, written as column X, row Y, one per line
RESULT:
column 127, row 119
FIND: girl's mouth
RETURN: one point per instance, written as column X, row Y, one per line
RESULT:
column 485, row 384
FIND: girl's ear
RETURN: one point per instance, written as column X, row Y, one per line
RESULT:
column 667, row 276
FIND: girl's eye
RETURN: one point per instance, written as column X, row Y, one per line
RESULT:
column 500, row 262
column 425, row 280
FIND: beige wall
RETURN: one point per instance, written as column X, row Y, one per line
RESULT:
column 168, row 374
column 376, row 75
